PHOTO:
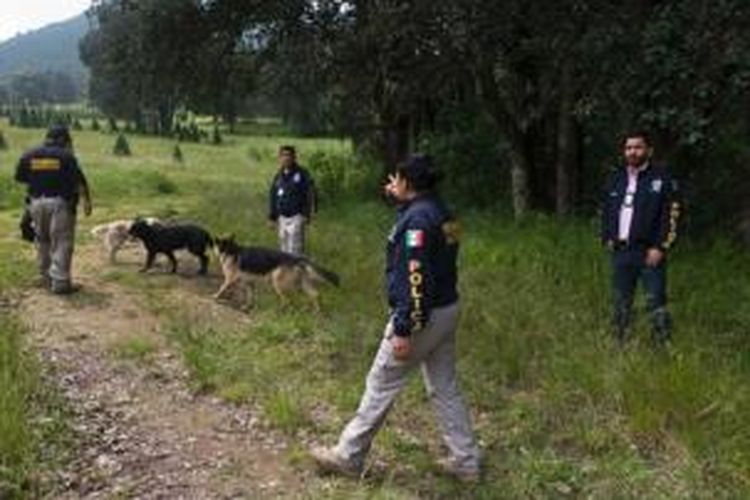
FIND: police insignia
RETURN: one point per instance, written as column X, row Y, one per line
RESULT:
column 415, row 238
column 45, row 164
column 656, row 185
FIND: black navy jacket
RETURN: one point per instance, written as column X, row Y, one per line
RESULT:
column 421, row 262
column 656, row 208
column 50, row 171
column 292, row 193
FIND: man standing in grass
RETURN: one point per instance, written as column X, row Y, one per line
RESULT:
column 291, row 201
column 55, row 182
column 421, row 278
column 639, row 225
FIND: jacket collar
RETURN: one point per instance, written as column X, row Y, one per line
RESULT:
column 646, row 167
column 291, row 170
column 406, row 205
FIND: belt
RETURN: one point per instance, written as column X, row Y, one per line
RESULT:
column 628, row 245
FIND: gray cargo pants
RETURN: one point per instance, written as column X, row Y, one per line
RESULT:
column 54, row 222
column 292, row 234
column 433, row 348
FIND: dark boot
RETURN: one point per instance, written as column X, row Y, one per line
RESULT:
column 661, row 327
column 59, row 287
column 621, row 326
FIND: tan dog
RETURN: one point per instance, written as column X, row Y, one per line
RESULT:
column 287, row 272
column 116, row 233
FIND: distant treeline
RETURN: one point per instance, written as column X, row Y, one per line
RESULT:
column 184, row 129
column 46, row 87
column 522, row 102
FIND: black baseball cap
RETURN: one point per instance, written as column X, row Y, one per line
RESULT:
column 59, row 135
column 419, row 171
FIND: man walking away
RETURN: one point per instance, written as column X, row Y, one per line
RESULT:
column 55, row 182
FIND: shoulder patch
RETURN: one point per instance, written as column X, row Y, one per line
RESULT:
column 415, row 238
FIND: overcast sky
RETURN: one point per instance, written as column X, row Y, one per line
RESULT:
column 17, row 16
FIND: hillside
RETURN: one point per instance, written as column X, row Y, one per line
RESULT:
column 52, row 48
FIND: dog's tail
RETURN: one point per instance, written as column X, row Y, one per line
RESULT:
column 320, row 273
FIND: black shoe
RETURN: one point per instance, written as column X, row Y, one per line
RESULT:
column 64, row 288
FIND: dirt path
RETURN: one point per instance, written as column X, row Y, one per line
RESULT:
column 143, row 432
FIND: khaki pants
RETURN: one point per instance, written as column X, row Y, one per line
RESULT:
column 292, row 234
column 433, row 349
column 54, row 222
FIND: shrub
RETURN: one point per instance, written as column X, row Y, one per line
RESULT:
column 3, row 142
column 188, row 132
column 122, row 148
column 113, row 125
column 467, row 151
column 339, row 175
column 216, row 136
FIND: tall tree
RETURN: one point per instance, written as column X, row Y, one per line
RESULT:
column 141, row 56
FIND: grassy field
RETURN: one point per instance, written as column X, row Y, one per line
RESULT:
column 32, row 417
column 559, row 412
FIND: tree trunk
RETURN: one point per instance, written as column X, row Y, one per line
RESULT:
column 566, row 144
column 166, row 115
column 138, row 119
column 519, row 182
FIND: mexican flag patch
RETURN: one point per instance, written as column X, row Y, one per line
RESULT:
column 414, row 238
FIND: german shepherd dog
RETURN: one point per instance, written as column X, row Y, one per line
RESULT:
column 158, row 239
column 287, row 272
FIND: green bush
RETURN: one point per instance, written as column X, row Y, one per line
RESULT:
column 113, row 125
column 161, row 184
column 469, row 153
column 216, row 138
column 121, row 148
column 338, row 175
column 188, row 132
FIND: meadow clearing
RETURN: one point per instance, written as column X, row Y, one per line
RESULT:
column 558, row 411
